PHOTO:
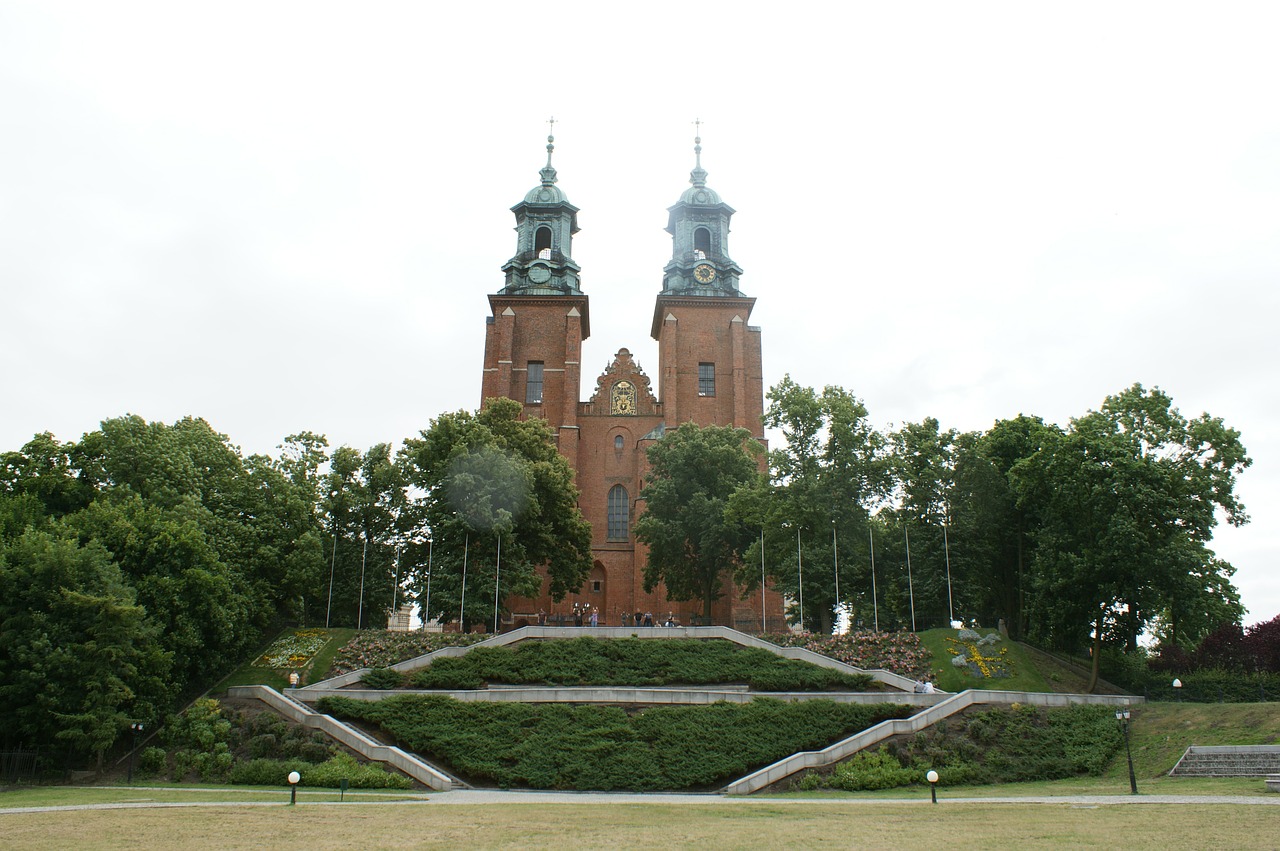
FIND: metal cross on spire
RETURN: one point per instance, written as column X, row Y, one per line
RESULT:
column 698, row 177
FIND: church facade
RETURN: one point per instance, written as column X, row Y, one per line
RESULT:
column 709, row 372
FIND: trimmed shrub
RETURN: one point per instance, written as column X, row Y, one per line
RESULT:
column 591, row 747
column 153, row 762
column 999, row 745
column 328, row 774
column 873, row 770
column 589, row 661
column 382, row 678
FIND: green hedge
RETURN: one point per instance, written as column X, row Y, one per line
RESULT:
column 600, row 748
column 628, row 662
column 328, row 774
column 1000, row 745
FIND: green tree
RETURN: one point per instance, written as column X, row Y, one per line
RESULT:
column 486, row 480
column 815, row 509
column 1127, row 500
column 692, row 543
column 78, row 658
column 992, row 540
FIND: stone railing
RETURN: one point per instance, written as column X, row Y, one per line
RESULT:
column 795, row 763
column 302, row 714
column 1228, row 761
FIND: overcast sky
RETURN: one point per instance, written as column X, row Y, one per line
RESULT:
column 287, row 216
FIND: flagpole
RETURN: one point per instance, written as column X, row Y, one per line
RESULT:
column 911, row 590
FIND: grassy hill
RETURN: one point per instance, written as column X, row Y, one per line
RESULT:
column 1002, row 664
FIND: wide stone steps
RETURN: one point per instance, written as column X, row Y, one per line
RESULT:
column 1228, row 761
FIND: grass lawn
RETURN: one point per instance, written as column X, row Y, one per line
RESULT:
column 1024, row 676
column 750, row 823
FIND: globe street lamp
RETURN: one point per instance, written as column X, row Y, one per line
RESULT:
column 932, row 777
column 1122, row 715
column 135, row 728
column 1177, row 688
column 294, row 777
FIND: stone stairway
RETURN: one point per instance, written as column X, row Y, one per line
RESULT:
column 1228, row 761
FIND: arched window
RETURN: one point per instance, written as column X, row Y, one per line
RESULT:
column 617, row 441
column 619, row 511
column 702, row 241
column 542, row 241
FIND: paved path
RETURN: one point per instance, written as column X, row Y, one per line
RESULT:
column 475, row 797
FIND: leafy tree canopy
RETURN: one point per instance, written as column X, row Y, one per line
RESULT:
column 693, row 543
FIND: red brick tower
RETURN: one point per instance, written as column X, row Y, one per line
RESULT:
column 709, row 372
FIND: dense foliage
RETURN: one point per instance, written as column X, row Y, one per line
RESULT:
column 494, row 501
column 693, row 544
column 135, row 563
column 213, row 745
column 559, row 746
column 1001, row 745
column 626, row 662
column 1090, row 533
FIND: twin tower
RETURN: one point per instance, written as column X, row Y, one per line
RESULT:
column 709, row 372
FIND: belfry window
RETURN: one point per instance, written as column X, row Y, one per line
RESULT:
column 706, row 379
column 702, row 243
column 542, row 242
column 619, row 513
column 533, row 385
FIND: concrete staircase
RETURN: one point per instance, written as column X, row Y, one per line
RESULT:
column 1228, row 761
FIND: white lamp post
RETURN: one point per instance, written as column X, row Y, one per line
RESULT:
column 294, row 777
column 932, row 777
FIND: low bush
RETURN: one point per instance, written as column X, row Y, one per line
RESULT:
column 327, row 775
column 592, row 747
column 153, row 761
column 873, row 770
column 382, row 678
column 999, row 745
column 632, row 662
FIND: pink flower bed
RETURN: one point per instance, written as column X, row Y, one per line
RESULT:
column 379, row 648
column 899, row 652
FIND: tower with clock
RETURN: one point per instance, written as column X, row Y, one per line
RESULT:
column 709, row 372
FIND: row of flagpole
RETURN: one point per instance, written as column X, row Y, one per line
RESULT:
column 835, row 559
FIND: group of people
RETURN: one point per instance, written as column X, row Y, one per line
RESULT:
column 588, row 615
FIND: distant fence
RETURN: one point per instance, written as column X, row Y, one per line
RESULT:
column 18, row 765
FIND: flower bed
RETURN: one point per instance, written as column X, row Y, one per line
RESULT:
column 979, row 657
column 899, row 652
column 380, row 648
column 294, row 650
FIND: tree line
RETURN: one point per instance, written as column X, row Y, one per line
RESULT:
column 145, row 560
column 1074, row 536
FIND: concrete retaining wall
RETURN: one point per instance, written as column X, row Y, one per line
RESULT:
column 628, row 696
column 360, row 743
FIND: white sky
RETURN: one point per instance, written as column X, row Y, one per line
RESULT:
column 287, row 216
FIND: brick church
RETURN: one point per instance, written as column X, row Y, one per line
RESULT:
column 709, row 372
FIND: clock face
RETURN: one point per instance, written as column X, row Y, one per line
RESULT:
column 704, row 273
column 539, row 274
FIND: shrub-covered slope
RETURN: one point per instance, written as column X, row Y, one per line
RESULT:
column 624, row 662
column 602, row 747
